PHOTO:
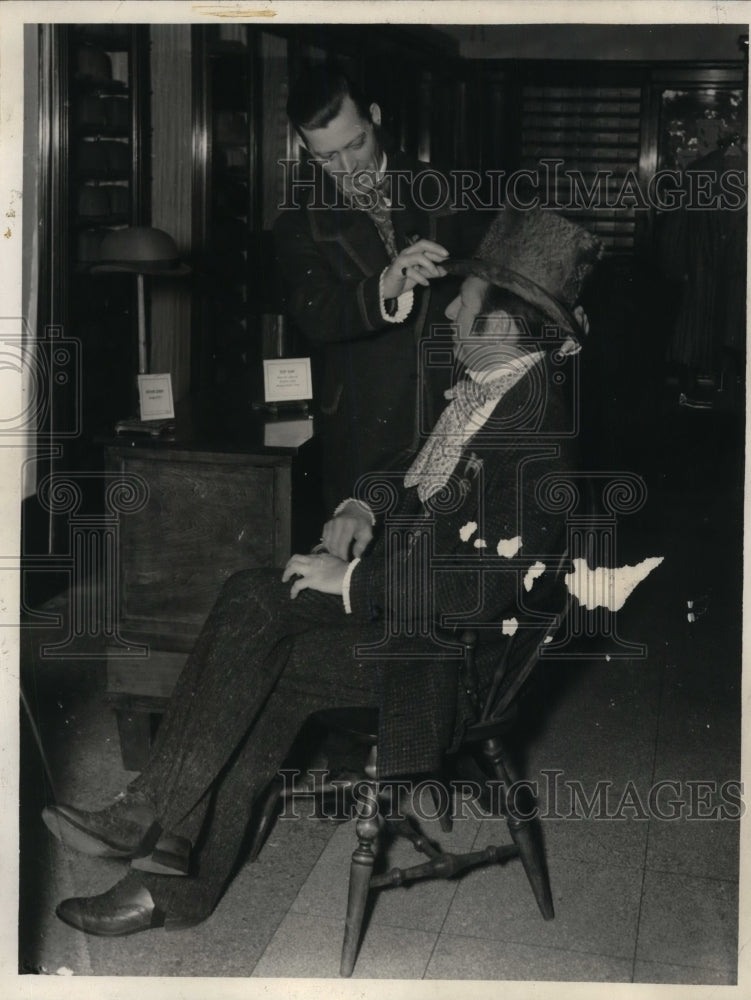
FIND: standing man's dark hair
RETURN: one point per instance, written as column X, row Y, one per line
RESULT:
column 317, row 95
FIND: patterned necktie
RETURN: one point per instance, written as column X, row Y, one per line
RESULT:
column 440, row 454
column 376, row 201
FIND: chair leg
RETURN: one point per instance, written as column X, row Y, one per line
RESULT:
column 523, row 832
column 360, row 871
column 443, row 806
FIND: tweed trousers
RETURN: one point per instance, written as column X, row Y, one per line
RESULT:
column 262, row 664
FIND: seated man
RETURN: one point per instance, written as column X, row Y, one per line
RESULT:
column 263, row 663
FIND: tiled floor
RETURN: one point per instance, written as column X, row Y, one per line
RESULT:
column 638, row 898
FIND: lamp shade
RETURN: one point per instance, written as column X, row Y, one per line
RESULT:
column 140, row 250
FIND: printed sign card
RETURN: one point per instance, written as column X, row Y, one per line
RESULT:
column 155, row 394
column 287, row 380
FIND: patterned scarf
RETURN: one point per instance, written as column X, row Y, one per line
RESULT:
column 459, row 422
column 376, row 201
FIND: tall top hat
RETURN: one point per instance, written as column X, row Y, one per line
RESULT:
column 540, row 256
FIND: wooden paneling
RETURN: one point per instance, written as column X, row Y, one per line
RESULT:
column 154, row 676
column 207, row 517
column 171, row 198
column 275, row 140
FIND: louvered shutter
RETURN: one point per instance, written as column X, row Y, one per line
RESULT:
column 595, row 131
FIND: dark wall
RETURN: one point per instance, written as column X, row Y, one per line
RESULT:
column 598, row 41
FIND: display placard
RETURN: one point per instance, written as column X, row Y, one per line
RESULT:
column 287, row 379
column 155, row 395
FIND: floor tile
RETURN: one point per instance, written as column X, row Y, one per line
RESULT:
column 597, row 841
column 308, row 945
column 689, row 921
column 705, row 848
column 603, row 724
column 459, row 957
column 702, row 678
column 421, row 905
column 229, row 943
column 596, row 908
column 658, row 972
column 704, row 768
column 283, row 865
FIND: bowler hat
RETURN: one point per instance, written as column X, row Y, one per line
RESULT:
column 540, row 256
column 141, row 250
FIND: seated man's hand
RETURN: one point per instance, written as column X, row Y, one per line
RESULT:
column 352, row 528
column 322, row 572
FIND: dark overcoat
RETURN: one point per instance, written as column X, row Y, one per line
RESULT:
column 370, row 402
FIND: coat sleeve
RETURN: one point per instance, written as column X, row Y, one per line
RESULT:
column 325, row 306
column 389, row 583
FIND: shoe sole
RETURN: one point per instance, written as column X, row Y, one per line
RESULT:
column 80, row 840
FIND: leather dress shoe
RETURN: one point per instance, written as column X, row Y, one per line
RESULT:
column 126, row 908
column 123, row 830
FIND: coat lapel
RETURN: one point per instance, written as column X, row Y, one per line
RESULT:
column 356, row 234
column 351, row 229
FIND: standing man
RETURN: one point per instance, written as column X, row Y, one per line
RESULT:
column 358, row 255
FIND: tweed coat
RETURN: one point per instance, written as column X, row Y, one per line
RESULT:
column 438, row 565
column 369, row 400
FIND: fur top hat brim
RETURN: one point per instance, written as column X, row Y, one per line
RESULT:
column 519, row 285
column 539, row 256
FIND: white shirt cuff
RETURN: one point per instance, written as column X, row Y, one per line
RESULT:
column 361, row 504
column 404, row 303
column 345, row 585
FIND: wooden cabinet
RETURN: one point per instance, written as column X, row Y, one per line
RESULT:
column 99, row 165
column 211, row 506
column 93, row 177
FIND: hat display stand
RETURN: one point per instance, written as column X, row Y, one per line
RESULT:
column 142, row 250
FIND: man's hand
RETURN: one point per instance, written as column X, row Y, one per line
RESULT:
column 415, row 265
column 322, row 572
column 350, row 528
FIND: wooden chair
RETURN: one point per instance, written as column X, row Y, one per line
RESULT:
column 484, row 740
column 591, row 503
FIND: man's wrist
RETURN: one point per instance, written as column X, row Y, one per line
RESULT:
column 394, row 309
column 345, row 585
column 363, row 508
